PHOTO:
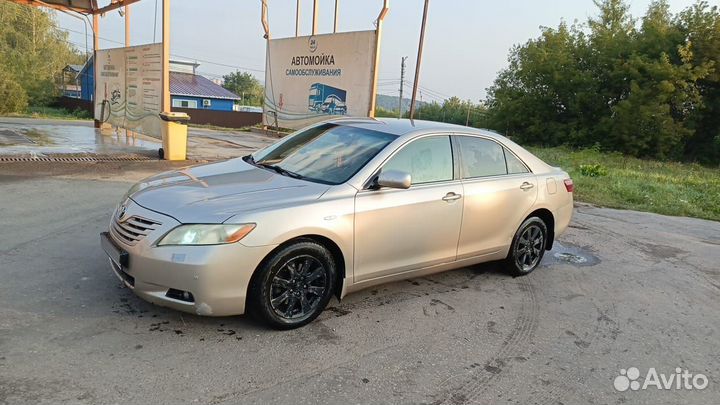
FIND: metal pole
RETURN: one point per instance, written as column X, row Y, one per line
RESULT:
column 96, row 47
column 297, row 19
column 165, row 106
column 419, row 60
column 376, row 66
column 264, row 19
column 126, row 13
column 316, row 10
column 96, row 32
column 402, row 81
column 336, row 16
column 127, row 25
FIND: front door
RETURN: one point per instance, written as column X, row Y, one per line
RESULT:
column 401, row 230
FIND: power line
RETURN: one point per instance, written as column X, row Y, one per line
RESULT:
column 181, row 56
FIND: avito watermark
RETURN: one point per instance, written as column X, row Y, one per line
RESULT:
column 679, row 380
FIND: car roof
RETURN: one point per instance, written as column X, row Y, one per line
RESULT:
column 399, row 127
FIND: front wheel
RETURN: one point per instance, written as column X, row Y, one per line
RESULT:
column 294, row 285
column 528, row 247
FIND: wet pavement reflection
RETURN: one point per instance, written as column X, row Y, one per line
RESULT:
column 26, row 137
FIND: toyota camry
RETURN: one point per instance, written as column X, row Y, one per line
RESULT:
column 331, row 209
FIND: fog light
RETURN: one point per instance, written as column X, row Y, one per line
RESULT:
column 180, row 295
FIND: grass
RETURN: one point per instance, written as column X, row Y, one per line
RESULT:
column 54, row 113
column 617, row 181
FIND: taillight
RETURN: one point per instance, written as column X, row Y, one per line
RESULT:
column 569, row 186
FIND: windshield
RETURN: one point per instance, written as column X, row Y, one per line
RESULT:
column 328, row 153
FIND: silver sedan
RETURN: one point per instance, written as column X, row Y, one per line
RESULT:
column 334, row 208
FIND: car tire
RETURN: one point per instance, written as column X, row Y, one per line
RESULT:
column 527, row 248
column 293, row 285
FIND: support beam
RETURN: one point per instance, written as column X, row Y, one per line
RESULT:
column 264, row 20
column 335, row 25
column 419, row 60
column 165, row 106
column 96, row 47
column 316, row 10
column 113, row 6
column 127, row 25
column 297, row 19
column 37, row 3
column 376, row 67
column 96, row 33
column 126, row 14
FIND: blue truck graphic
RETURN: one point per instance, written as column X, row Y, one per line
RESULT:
column 326, row 99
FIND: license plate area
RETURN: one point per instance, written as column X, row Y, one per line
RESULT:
column 119, row 258
column 115, row 253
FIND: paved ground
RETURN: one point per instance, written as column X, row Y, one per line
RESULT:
column 622, row 289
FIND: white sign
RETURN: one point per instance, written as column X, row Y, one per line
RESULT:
column 128, row 87
column 310, row 79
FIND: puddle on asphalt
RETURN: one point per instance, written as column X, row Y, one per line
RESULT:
column 565, row 252
column 38, row 137
column 31, row 138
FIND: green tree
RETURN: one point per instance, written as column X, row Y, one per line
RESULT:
column 33, row 50
column 700, row 27
column 453, row 110
column 636, row 86
column 246, row 86
column 12, row 95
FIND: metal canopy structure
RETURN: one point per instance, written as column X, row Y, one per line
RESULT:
column 79, row 6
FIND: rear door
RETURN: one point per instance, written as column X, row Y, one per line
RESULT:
column 499, row 190
column 400, row 230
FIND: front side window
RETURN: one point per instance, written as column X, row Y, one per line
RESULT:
column 327, row 153
column 427, row 160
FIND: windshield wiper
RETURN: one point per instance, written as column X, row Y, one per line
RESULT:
column 281, row 171
column 250, row 159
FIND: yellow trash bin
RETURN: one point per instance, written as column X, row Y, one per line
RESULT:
column 174, row 135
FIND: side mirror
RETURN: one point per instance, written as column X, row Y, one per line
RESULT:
column 394, row 179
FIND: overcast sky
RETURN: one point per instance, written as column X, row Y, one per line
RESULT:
column 466, row 44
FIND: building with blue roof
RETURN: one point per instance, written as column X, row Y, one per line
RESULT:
column 187, row 88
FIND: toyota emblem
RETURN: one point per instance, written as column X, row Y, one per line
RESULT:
column 121, row 210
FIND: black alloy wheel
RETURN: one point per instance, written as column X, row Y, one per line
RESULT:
column 293, row 285
column 528, row 247
column 298, row 287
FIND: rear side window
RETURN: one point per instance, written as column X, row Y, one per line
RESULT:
column 428, row 160
column 481, row 157
column 514, row 165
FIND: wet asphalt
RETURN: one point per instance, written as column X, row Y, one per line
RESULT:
column 620, row 289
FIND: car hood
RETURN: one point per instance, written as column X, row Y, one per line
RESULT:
column 215, row 192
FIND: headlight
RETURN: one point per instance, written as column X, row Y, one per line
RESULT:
column 199, row 234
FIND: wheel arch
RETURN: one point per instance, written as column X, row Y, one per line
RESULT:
column 549, row 219
column 319, row 239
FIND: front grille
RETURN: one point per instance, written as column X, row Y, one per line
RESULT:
column 132, row 229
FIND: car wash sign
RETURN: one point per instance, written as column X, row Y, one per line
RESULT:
column 128, row 87
column 310, row 79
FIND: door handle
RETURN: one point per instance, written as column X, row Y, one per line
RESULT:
column 451, row 197
column 527, row 186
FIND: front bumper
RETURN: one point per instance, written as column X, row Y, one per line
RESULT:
column 215, row 278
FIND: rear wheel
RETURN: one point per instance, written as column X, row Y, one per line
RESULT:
column 528, row 247
column 294, row 285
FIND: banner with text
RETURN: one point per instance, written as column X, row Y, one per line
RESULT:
column 128, row 88
column 310, row 79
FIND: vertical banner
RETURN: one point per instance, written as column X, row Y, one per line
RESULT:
column 128, row 90
column 310, row 79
